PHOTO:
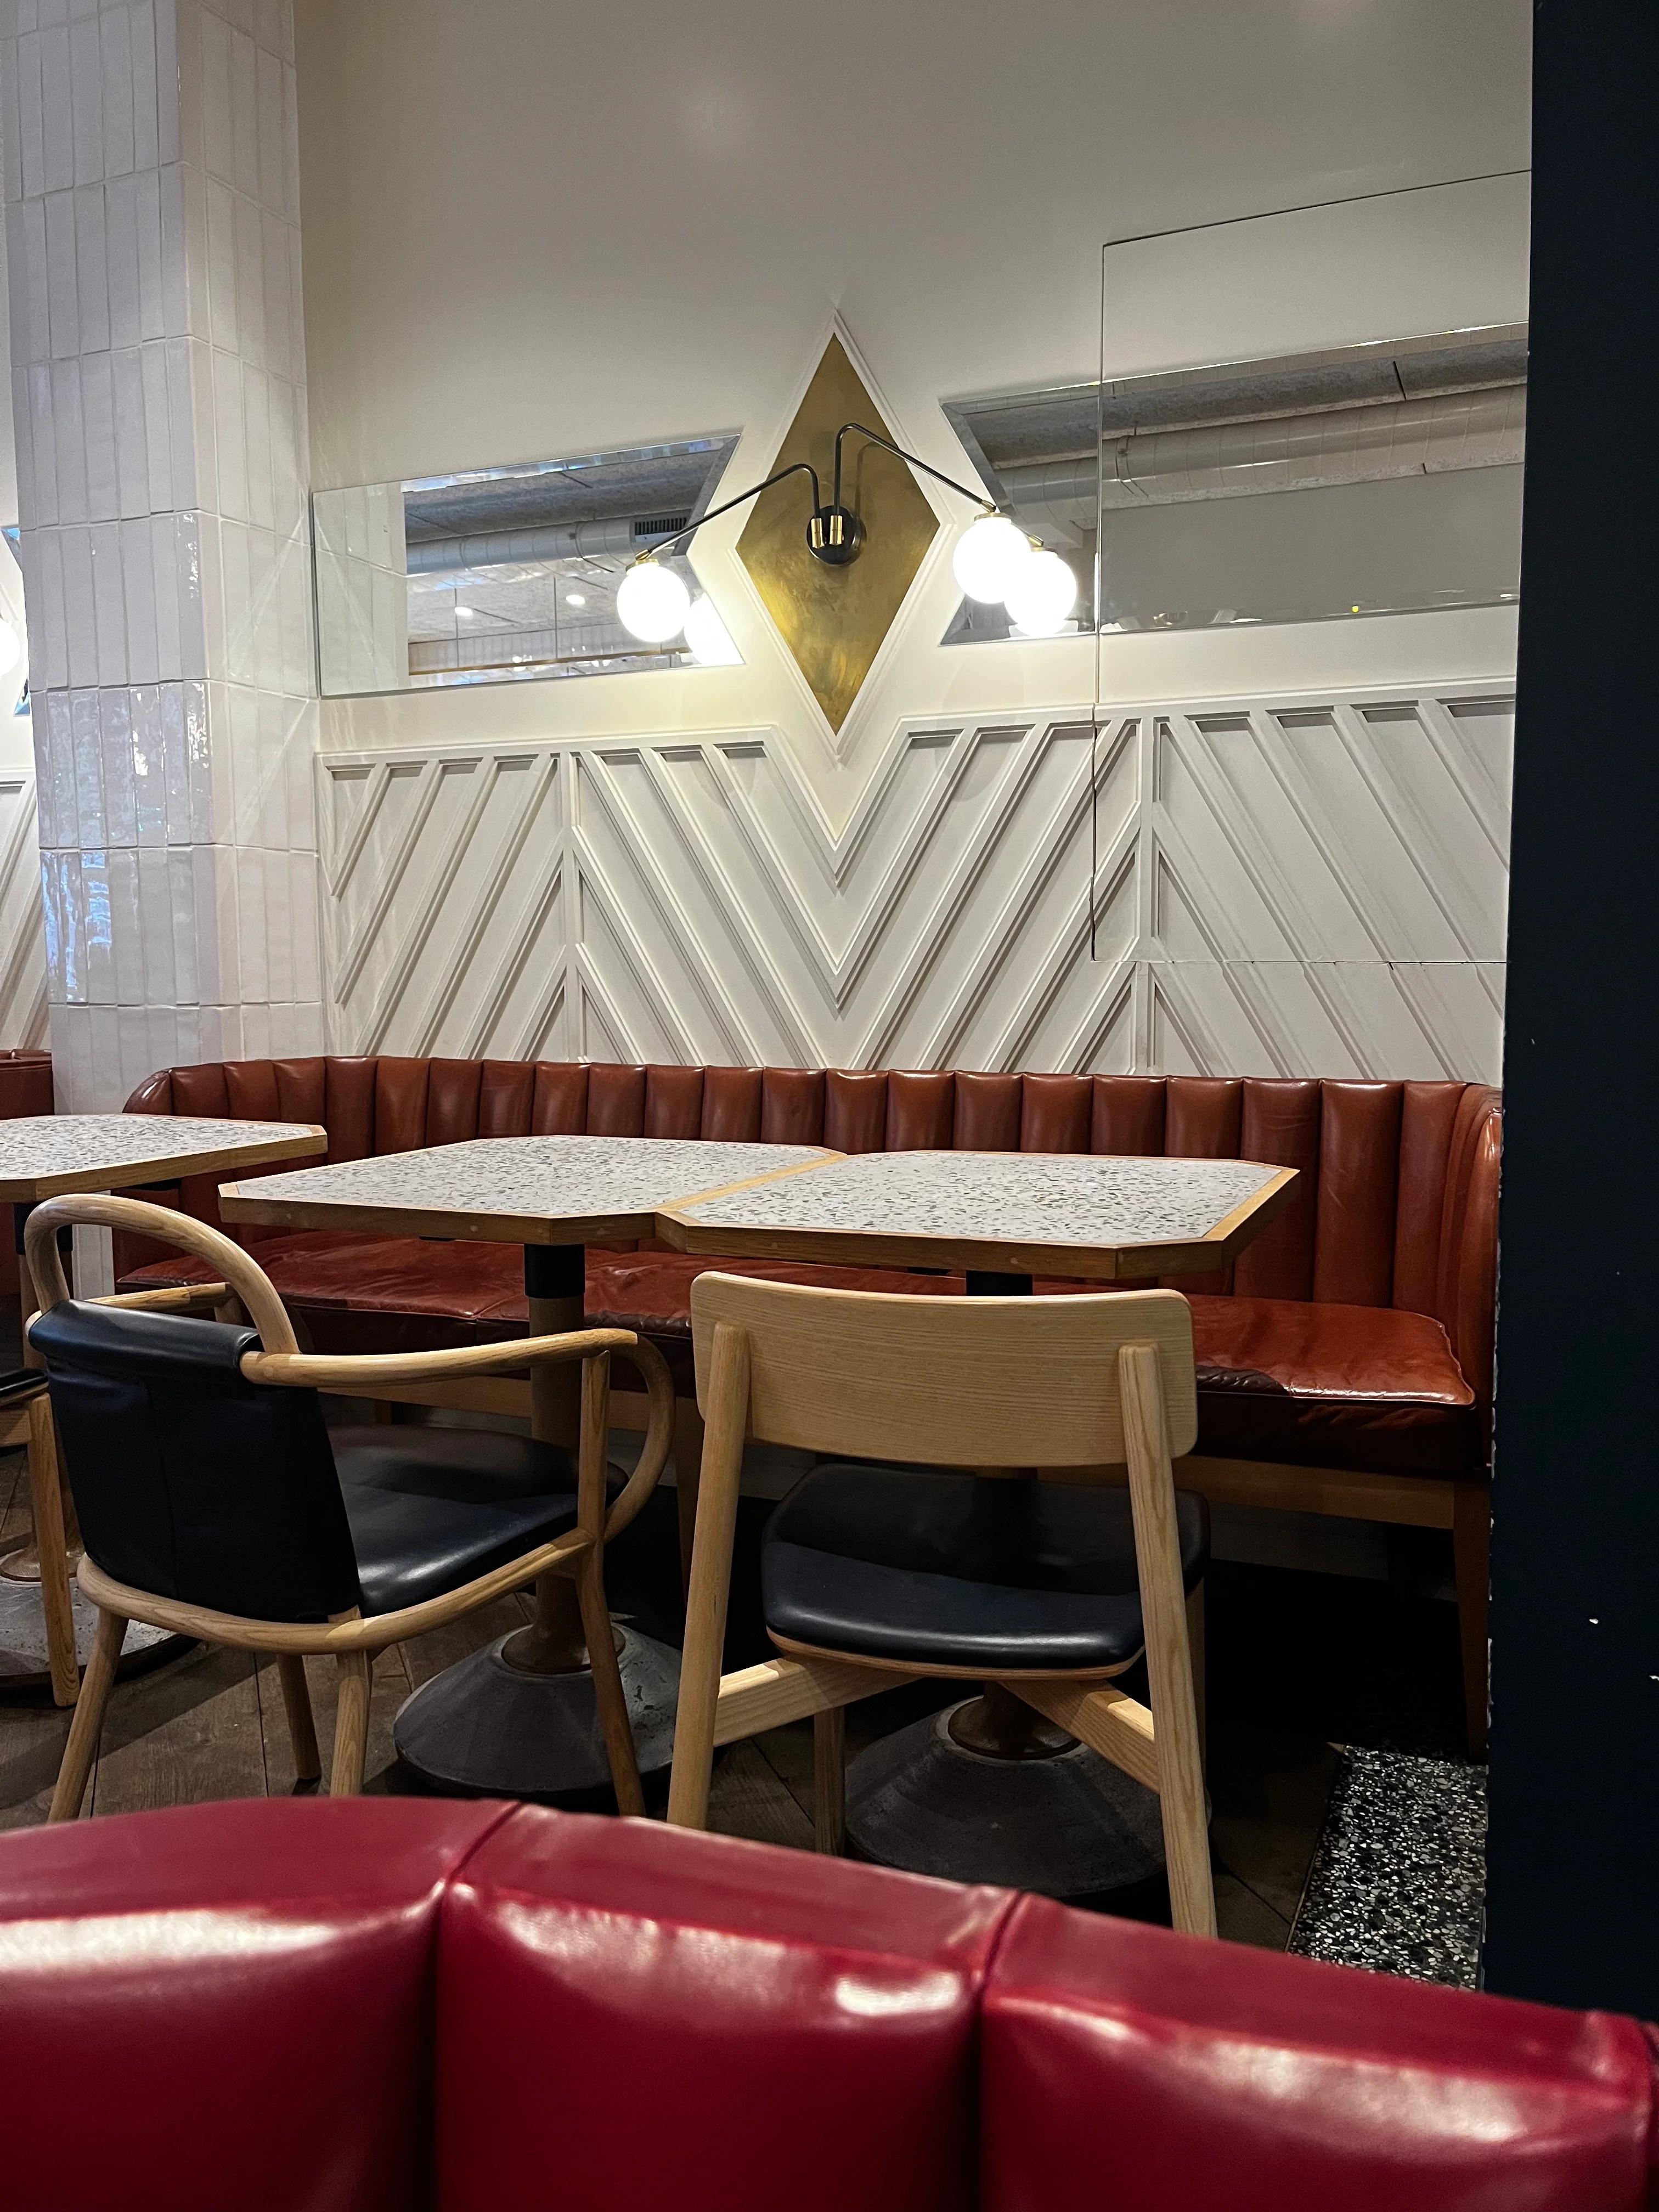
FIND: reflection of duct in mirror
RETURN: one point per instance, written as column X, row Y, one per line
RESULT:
column 1372, row 479
column 502, row 575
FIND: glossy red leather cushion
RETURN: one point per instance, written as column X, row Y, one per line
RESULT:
column 1125, row 2066
column 632, row 2017
column 227, row 2004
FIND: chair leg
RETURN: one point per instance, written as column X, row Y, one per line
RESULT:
column 51, row 1544
column 728, row 1401
column 1169, row 1656
column 688, row 1476
column 302, row 1727
column 830, row 1781
column 1196, row 1645
column 350, row 1724
column 1472, row 1563
column 87, row 1724
column 609, row 1695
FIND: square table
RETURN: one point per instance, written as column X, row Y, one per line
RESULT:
column 517, row 1719
column 1000, row 1217
column 47, row 1156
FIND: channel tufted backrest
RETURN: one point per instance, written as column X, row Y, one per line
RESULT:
column 1396, row 1204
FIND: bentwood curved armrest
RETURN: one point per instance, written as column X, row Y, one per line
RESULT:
column 281, row 1361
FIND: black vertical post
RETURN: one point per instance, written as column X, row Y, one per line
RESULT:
column 1574, row 1842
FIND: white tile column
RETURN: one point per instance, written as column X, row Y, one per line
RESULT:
column 158, row 376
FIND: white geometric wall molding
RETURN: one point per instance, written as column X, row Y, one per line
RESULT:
column 22, row 952
column 1310, row 884
column 153, row 241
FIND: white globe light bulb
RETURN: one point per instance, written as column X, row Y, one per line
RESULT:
column 11, row 646
column 651, row 603
column 707, row 636
column 1041, row 596
column 990, row 555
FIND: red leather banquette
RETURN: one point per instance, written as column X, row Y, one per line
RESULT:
column 1350, row 1351
column 376, row 2005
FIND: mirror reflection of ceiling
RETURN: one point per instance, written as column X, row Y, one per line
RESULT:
column 1379, row 479
column 503, row 575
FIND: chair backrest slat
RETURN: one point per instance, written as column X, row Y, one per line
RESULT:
column 947, row 1381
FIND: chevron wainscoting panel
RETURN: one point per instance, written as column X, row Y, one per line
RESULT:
column 22, row 939
column 1288, row 885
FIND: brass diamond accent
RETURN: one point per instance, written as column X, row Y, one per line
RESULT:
column 833, row 620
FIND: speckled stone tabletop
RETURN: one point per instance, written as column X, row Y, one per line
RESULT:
column 41, row 1154
column 541, row 1179
column 1036, row 1199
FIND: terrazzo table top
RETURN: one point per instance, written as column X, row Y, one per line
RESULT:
column 43, row 1155
column 1051, row 1214
column 515, row 1190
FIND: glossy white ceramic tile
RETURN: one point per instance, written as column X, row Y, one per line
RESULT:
column 151, row 175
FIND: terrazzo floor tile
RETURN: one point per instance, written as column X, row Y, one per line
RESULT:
column 1398, row 1881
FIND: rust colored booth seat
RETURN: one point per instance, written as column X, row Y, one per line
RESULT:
column 377, row 2005
column 1355, row 1334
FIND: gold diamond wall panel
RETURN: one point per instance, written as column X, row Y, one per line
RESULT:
column 833, row 620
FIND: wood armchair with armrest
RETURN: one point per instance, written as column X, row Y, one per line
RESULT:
column 215, row 1502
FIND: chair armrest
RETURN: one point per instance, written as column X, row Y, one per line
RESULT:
column 349, row 1372
column 177, row 1297
column 658, row 1435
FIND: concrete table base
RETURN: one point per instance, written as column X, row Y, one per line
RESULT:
column 485, row 1728
column 1071, row 1824
column 23, row 1640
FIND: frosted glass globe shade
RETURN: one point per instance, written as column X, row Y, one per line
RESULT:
column 1041, row 596
column 651, row 603
column 11, row 646
column 990, row 555
column 707, row 636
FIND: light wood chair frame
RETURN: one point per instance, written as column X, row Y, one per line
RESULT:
column 1073, row 1385
column 352, row 1641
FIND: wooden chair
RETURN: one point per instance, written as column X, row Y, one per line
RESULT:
column 876, row 1575
column 217, row 1504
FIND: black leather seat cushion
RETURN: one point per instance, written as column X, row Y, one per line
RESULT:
column 962, row 1570
column 431, row 1507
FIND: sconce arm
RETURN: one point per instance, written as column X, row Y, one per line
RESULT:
column 887, row 446
column 725, row 506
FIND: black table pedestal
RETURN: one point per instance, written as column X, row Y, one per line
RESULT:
column 518, row 1719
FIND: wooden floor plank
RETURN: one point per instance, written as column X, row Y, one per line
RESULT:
column 32, row 1739
column 747, row 1798
column 186, row 1734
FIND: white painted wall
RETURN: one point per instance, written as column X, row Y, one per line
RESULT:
column 532, row 231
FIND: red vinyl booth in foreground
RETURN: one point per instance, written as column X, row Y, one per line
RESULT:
column 373, row 2005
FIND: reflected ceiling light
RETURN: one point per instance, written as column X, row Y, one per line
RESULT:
column 835, row 535
column 470, row 613
column 651, row 603
column 709, row 638
column 11, row 646
column 990, row 558
column 575, row 598
column 1042, row 594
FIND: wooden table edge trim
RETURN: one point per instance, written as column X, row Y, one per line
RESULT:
column 475, row 1224
column 308, row 1138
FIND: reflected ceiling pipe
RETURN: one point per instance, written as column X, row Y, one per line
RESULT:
column 992, row 561
column 554, row 541
column 1284, row 453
